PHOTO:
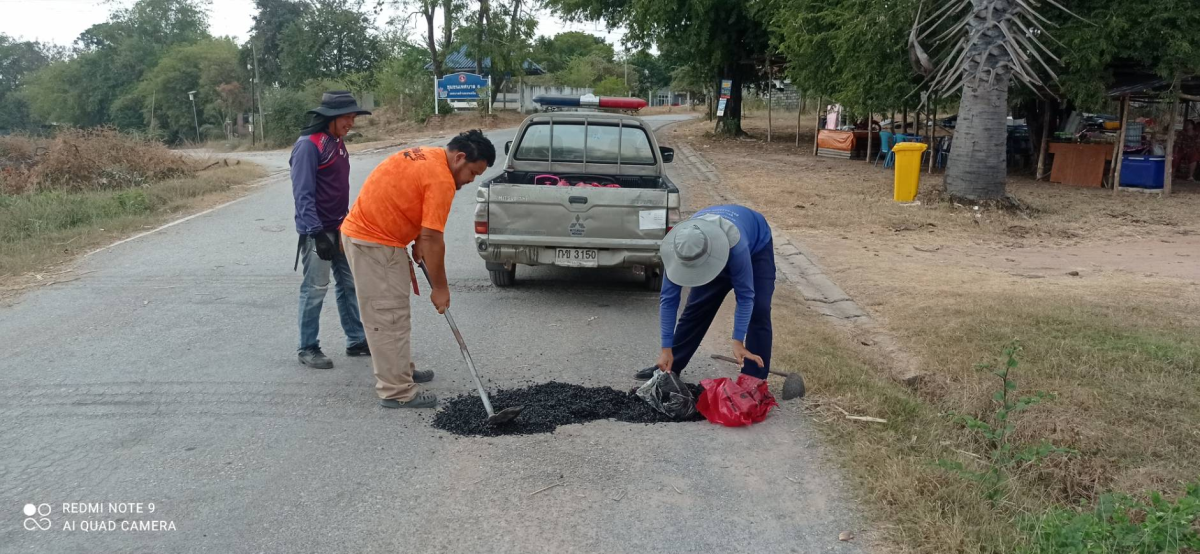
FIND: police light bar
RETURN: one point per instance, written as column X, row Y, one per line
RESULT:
column 591, row 101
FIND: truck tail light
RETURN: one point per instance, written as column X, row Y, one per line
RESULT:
column 481, row 219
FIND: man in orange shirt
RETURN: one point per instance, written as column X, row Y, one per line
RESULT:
column 405, row 199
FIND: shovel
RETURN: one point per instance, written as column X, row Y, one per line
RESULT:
column 793, row 383
column 494, row 418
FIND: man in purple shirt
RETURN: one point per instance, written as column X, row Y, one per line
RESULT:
column 721, row 248
column 321, row 188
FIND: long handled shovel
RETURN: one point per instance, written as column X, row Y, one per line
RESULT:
column 793, row 383
column 494, row 418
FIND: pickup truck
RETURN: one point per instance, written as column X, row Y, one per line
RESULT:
column 579, row 189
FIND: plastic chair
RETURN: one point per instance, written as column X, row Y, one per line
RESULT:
column 943, row 152
column 885, row 147
column 891, row 157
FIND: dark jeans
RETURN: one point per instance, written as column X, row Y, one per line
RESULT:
column 703, row 302
column 312, row 297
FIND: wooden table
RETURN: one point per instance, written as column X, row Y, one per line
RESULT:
column 1079, row 164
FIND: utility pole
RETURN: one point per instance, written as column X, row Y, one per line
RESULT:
column 252, row 79
column 262, row 120
column 195, row 119
column 152, row 96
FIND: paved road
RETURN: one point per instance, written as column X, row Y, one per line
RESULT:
column 167, row 376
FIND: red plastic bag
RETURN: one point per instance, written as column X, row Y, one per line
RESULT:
column 734, row 404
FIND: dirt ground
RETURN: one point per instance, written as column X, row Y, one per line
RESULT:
column 1103, row 291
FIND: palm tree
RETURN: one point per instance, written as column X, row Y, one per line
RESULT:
column 983, row 45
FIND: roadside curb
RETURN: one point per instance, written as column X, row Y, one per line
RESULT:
column 800, row 267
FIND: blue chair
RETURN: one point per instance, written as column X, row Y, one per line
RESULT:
column 891, row 157
column 943, row 151
column 885, row 147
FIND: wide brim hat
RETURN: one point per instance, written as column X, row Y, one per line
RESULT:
column 337, row 103
column 694, row 252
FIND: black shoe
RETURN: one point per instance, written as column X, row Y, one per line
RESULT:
column 422, row 375
column 358, row 350
column 645, row 374
column 314, row 358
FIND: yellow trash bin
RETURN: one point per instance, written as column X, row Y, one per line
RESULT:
column 908, row 170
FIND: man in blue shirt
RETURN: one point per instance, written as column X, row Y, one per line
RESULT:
column 321, row 188
column 721, row 248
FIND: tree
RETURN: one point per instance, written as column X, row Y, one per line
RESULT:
column 554, row 53
column 850, row 51
column 404, row 82
column 18, row 60
column 508, row 30
column 586, row 71
column 610, row 86
column 211, row 68
column 96, row 86
column 725, row 36
column 987, row 44
column 272, row 19
column 332, row 38
column 427, row 9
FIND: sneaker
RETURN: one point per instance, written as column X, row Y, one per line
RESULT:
column 421, row 400
column 645, row 374
column 422, row 375
column 360, row 349
column 314, row 358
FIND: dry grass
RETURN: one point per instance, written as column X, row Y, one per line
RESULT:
column 1119, row 344
column 85, row 160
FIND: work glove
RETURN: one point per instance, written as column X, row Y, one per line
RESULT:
column 324, row 245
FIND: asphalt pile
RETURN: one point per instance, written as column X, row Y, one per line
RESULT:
column 548, row 405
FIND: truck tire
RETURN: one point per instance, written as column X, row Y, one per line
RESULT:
column 503, row 277
column 654, row 279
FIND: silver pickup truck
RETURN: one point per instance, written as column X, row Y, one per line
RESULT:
column 579, row 189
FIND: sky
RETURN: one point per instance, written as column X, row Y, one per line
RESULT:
column 61, row 21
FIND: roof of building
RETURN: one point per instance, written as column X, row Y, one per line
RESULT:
column 459, row 61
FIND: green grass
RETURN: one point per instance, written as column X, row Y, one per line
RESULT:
column 40, row 228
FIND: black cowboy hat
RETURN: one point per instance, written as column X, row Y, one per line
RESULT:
column 338, row 102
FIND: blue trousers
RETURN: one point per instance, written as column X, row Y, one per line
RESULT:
column 703, row 302
column 312, row 297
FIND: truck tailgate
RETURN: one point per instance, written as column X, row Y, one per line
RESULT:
column 587, row 217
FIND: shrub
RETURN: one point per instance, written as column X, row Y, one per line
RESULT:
column 86, row 159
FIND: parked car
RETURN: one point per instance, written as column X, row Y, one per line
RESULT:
column 579, row 189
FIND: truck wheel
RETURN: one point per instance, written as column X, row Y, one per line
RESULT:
column 503, row 277
column 654, row 279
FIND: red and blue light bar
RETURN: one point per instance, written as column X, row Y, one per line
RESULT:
column 591, row 101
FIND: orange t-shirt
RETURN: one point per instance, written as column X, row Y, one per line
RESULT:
column 410, row 189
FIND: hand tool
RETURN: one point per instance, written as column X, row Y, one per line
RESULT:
column 494, row 418
column 793, row 383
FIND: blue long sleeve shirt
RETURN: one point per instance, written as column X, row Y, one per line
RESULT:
column 755, row 236
column 320, row 182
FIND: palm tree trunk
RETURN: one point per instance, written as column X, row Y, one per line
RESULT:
column 977, row 168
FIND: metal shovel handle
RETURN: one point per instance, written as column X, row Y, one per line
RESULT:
column 466, row 354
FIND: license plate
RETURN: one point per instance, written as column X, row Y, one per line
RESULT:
column 576, row 257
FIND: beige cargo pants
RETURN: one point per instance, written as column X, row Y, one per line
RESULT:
column 381, row 275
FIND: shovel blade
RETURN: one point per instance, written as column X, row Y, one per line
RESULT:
column 793, row 386
column 504, row 416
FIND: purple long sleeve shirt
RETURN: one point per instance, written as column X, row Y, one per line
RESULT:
column 320, row 182
column 755, row 236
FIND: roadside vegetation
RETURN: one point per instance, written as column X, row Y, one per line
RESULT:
column 63, row 196
column 1089, row 442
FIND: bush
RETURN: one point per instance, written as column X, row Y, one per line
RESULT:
column 81, row 160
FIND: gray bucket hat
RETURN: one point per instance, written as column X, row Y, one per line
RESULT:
column 337, row 103
column 694, row 252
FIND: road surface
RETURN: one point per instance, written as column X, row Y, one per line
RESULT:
column 167, row 374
